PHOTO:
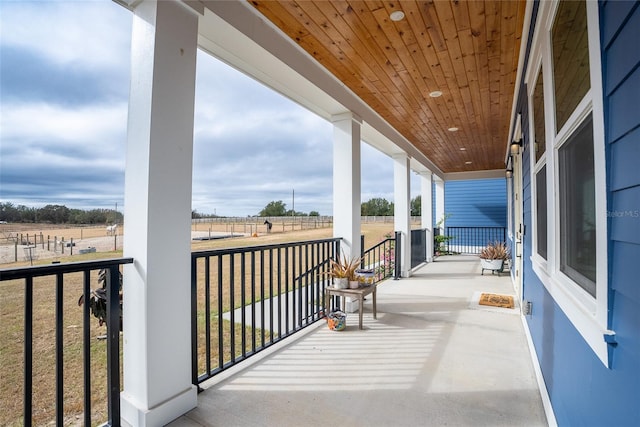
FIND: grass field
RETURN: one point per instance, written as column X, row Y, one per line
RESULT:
column 12, row 324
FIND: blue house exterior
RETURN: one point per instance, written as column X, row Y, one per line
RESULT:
column 476, row 203
column 584, row 326
column 476, row 212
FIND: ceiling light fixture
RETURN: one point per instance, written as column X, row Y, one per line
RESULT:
column 463, row 149
column 435, row 94
column 468, row 162
column 397, row 15
column 453, row 129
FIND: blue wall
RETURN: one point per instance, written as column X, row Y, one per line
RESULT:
column 582, row 390
column 477, row 203
column 474, row 203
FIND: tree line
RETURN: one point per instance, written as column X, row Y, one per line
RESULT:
column 382, row 207
column 60, row 214
column 57, row 214
column 373, row 207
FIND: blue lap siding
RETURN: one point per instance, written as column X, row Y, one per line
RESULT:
column 583, row 391
column 474, row 203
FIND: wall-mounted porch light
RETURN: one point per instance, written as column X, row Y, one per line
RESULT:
column 509, row 172
column 516, row 142
column 515, row 147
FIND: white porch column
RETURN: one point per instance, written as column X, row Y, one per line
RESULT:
column 426, row 207
column 402, row 209
column 439, row 202
column 157, row 310
column 346, row 182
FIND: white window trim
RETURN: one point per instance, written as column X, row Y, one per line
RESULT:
column 588, row 315
column 536, row 166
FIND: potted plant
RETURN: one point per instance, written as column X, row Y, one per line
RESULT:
column 343, row 271
column 493, row 255
column 98, row 298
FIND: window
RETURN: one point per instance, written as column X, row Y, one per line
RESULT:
column 541, row 211
column 540, row 167
column 568, row 170
column 577, row 208
column 570, row 58
column 538, row 118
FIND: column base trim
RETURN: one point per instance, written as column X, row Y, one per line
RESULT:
column 161, row 414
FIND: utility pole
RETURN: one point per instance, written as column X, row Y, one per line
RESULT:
column 293, row 202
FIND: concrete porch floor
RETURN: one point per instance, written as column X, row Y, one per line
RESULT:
column 432, row 358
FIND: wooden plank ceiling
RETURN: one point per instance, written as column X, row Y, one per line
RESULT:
column 468, row 50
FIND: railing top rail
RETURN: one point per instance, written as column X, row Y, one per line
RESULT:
column 49, row 269
column 390, row 239
column 499, row 227
column 257, row 248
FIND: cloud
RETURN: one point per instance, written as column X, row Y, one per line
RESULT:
column 91, row 34
column 64, row 83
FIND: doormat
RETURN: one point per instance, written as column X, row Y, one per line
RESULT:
column 495, row 300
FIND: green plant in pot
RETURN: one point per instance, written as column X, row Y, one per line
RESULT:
column 493, row 255
column 98, row 298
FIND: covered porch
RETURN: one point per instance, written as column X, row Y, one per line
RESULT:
column 432, row 357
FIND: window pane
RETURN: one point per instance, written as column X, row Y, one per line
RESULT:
column 541, row 211
column 578, row 208
column 570, row 58
column 538, row 118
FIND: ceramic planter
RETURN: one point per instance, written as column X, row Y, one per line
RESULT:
column 341, row 283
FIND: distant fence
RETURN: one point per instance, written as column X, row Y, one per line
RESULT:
column 471, row 240
column 253, row 224
column 326, row 219
column 36, row 244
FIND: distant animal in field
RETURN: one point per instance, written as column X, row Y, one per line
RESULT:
column 269, row 225
column 112, row 229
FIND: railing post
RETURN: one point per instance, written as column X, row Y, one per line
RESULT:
column 397, row 260
column 113, row 346
column 362, row 251
column 28, row 352
column 194, row 323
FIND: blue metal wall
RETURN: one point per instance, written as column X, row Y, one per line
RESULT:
column 582, row 390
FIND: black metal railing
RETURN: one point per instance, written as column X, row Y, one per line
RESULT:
column 53, row 276
column 381, row 258
column 243, row 301
column 471, row 240
column 247, row 299
column 418, row 246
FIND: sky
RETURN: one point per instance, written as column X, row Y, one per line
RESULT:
column 64, row 84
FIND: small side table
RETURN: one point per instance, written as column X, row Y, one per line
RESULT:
column 359, row 293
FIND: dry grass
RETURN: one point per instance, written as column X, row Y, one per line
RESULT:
column 12, row 324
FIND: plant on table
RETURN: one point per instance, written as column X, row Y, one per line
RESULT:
column 344, row 267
